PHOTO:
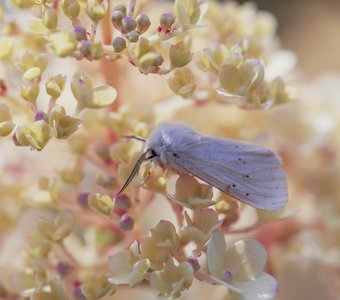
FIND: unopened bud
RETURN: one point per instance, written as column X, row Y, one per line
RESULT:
column 129, row 23
column 121, row 8
column 116, row 19
column 40, row 115
column 122, row 202
column 63, row 268
column 71, row 9
column 132, row 36
column 126, row 223
column 118, row 44
column 158, row 61
column 166, row 20
column 106, row 181
column 82, row 199
column 29, row 92
column 80, row 33
column 85, row 47
column 50, row 18
column 96, row 9
column 143, row 23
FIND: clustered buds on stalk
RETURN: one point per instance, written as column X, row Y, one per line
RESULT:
column 106, row 224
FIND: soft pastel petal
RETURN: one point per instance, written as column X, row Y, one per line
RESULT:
column 119, row 263
column 216, row 253
column 264, row 287
column 245, row 259
column 139, row 269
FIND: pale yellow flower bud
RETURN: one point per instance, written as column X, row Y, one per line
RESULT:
column 173, row 279
column 47, row 194
column 97, row 51
column 98, row 286
column 201, row 227
column 89, row 97
column 242, row 79
column 127, row 266
column 213, row 59
column 55, row 85
column 32, row 73
column 30, row 92
column 192, row 194
column 189, row 12
column 63, row 126
column 6, row 47
column 36, row 135
column 57, row 230
column 279, row 91
column 182, row 82
column 106, row 181
column 71, row 9
column 164, row 234
column 78, row 144
column 81, row 87
column 179, row 55
column 6, row 124
column 62, row 43
column 29, row 60
column 102, row 204
column 96, row 9
column 23, row 3
column 50, row 18
column 75, row 174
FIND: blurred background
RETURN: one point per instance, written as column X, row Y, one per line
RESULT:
column 310, row 28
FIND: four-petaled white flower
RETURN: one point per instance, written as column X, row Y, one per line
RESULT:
column 240, row 268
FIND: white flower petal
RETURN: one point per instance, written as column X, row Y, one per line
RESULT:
column 245, row 259
column 119, row 263
column 216, row 254
column 229, row 286
column 120, row 279
column 264, row 287
column 140, row 268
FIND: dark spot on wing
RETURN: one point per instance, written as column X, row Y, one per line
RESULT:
column 234, row 185
column 246, row 176
column 241, row 160
column 175, row 155
column 247, row 194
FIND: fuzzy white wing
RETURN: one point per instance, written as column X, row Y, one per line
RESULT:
column 250, row 173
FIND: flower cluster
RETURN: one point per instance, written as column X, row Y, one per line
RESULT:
column 82, row 85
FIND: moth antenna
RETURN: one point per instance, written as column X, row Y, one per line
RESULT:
column 136, row 137
column 134, row 171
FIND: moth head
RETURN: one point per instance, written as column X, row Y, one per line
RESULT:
column 147, row 155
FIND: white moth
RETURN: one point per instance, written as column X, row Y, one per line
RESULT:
column 248, row 172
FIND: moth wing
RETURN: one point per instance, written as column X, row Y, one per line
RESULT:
column 248, row 172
